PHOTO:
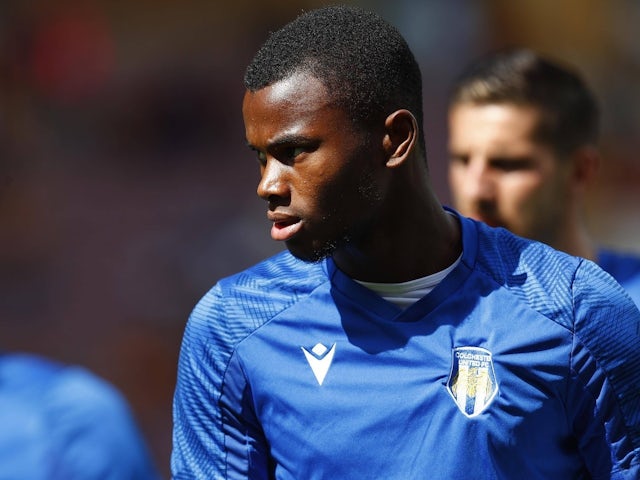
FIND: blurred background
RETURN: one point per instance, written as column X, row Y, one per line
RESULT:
column 126, row 188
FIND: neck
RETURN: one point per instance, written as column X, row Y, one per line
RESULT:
column 415, row 238
column 572, row 236
column 577, row 242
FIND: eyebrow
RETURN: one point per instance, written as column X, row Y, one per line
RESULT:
column 286, row 139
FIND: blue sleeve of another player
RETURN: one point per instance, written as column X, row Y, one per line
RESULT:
column 211, row 437
column 95, row 432
column 606, row 363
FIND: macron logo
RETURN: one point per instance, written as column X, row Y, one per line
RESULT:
column 320, row 359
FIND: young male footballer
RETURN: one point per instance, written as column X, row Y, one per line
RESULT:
column 394, row 339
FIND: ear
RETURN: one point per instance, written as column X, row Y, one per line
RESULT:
column 401, row 134
column 586, row 164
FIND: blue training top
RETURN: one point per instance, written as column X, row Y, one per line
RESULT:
column 625, row 268
column 63, row 423
column 524, row 362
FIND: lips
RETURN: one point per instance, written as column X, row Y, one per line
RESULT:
column 284, row 226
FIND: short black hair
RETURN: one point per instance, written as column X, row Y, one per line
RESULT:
column 363, row 61
column 521, row 76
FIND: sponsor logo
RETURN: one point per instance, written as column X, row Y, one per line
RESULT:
column 320, row 358
column 472, row 381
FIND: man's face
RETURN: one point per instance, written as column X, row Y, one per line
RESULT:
column 500, row 175
column 318, row 170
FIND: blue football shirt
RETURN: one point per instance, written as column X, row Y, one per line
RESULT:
column 523, row 362
column 60, row 422
column 625, row 268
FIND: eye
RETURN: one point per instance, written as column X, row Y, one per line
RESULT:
column 289, row 154
column 459, row 159
column 292, row 152
column 262, row 157
column 512, row 164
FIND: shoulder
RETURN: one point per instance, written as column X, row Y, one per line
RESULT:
column 625, row 268
column 70, row 395
column 58, row 386
column 77, row 418
column 619, row 263
column 260, row 292
column 282, row 272
column 25, row 370
column 56, row 382
column 520, row 263
column 238, row 305
column 86, row 395
column 549, row 281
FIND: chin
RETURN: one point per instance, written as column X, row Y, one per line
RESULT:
column 306, row 255
column 312, row 253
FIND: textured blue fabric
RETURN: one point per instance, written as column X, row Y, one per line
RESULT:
column 63, row 423
column 523, row 363
column 625, row 268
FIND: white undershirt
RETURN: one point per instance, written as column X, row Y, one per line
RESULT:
column 405, row 294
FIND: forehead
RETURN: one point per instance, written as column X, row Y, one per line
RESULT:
column 502, row 124
column 286, row 103
column 524, row 117
column 297, row 88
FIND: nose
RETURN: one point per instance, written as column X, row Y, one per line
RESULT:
column 272, row 182
column 479, row 183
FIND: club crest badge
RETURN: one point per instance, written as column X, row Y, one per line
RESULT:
column 472, row 381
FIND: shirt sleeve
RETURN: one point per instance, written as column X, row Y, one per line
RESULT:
column 605, row 400
column 215, row 434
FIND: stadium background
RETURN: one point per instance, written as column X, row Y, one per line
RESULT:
column 126, row 188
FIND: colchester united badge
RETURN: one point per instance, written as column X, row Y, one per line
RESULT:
column 472, row 380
